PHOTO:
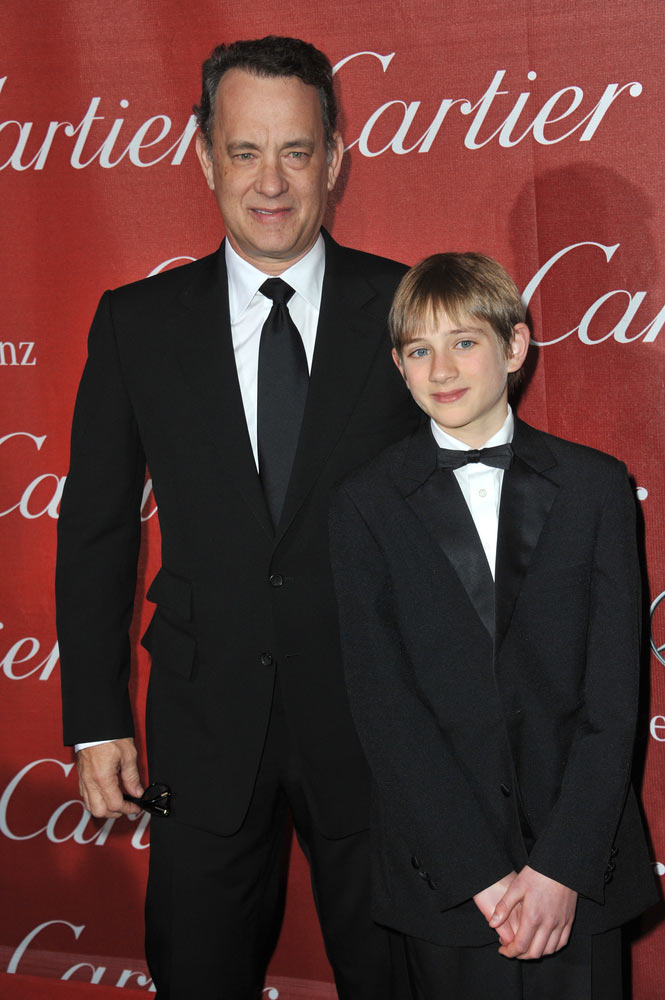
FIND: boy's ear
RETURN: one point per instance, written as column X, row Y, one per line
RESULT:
column 398, row 362
column 519, row 345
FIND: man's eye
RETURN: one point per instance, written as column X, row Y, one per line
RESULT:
column 244, row 156
column 297, row 154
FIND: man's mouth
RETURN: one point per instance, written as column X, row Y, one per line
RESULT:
column 270, row 213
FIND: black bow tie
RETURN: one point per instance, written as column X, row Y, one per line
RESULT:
column 499, row 457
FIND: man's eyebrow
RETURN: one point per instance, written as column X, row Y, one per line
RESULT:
column 240, row 145
column 307, row 143
column 244, row 145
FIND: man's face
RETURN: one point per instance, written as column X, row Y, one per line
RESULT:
column 457, row 373
column 269, row 167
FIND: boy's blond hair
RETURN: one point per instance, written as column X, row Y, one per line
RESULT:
column 457, row 284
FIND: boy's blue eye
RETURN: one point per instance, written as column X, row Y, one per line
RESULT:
column 465, row 344
column 420, row 352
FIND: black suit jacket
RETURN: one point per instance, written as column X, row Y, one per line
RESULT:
column 496, row 732
column 235, row 598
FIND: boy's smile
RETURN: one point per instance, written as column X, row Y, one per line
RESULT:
column 457, row 373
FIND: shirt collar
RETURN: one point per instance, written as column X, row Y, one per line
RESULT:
column 503, row 436
column 305, row 276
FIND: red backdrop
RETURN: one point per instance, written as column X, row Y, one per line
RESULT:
column 528, row 130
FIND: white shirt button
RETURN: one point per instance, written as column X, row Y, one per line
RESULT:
column 482, row 493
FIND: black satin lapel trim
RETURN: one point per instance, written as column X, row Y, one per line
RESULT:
column 206, row 358
column 440, row 504
column 526, row 499
column 419, row 462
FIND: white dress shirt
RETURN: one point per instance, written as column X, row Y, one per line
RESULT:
column 481, row 484
column 249, row 310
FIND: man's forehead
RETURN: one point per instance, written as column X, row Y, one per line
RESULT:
column 238, row 78
column 246, row 99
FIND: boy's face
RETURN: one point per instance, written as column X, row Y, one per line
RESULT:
column 457, row 373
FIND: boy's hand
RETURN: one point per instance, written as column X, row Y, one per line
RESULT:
column 546, row 917
column 487, row 900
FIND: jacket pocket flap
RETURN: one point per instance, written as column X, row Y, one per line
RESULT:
column 171, row 648
column 172, row 592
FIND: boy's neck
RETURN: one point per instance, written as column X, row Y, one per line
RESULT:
column 501, row 435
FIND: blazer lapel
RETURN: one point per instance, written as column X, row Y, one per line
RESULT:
column 205, row 354
column 348, row 335
column 526, row 498
column 439, row 503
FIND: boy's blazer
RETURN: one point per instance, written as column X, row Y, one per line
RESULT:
column 496, row 735
column 235, row 598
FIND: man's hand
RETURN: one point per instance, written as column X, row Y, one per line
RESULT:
column 105, row 772
column 546, row 915
column 487, row 900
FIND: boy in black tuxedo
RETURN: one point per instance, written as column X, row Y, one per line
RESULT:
column 488, row 590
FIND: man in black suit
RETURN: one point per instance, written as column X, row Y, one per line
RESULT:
column 250, row 382
column 488, row 587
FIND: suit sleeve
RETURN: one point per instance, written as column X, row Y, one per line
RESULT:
column 576, row 846
column 434, row 815
column 98, row 543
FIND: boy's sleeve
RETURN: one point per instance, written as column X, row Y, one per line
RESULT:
column 436, row 817
column 576, row 846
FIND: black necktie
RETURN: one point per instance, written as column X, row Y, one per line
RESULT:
column 282, row 390
column 499, row 457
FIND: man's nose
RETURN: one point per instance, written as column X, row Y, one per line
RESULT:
column 270, row 179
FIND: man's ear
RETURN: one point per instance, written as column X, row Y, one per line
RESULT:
column 335, row 160
column 398, row 362
column 519, row 345
column 205, row 159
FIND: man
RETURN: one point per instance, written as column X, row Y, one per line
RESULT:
column 248, row 401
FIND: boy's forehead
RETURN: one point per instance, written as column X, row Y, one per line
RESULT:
column 433, row 322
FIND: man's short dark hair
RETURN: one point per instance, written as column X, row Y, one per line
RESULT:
column 457, row 284
column 270, row 56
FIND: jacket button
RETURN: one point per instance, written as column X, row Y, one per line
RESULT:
column 266, row 660
column 276, row 580
column 424, row 875
column 505, row 790
column 415, row 862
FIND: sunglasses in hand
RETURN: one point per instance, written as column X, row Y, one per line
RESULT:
column 156, row 799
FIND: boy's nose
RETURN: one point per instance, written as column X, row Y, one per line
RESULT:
column 443, row 369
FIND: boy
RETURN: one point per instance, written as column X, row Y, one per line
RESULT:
column 488, row 590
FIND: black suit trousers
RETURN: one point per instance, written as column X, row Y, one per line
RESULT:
column 214, row 904
column 588, row 968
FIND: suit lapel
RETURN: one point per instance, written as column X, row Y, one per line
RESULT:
column 205, row 355
column 436, row 498
column 348, row 335
column 526, row 498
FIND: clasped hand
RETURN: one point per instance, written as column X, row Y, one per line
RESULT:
column 532, row 914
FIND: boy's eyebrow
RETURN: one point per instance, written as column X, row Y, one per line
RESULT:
column 426, row 334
